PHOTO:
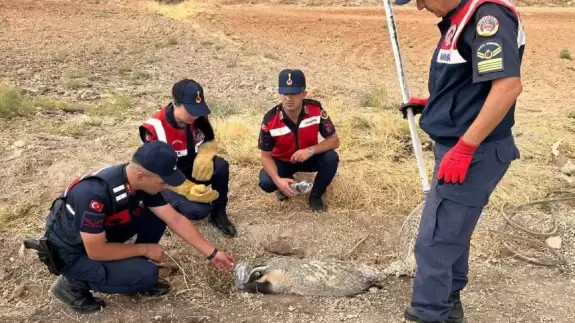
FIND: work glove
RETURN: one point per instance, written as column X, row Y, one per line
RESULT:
column 204, row 161
column 196, row 192
column 416, row 104
column 455, row 162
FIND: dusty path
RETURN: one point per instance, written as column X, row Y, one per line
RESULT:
column 51, row 47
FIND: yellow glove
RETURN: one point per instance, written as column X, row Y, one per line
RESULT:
column 195, row 192
column 204, row 161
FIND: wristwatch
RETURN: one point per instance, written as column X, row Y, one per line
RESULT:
column 213, row 254
column 310, row 151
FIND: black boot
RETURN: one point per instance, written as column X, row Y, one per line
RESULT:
column 160, row 289
column 220, row 220
column 456, row 313
column 411, row 315
column 76, row 294
column 315, row 201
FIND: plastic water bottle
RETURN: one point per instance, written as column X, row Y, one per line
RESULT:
column 301, row 187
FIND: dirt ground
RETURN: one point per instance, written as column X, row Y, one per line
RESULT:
column 91, row 71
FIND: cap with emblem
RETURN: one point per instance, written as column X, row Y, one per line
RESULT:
column 160, row 158
column 291, row 81
column 190, row 94
column 401, row 2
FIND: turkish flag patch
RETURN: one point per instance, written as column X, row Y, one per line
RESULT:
column 96, row 205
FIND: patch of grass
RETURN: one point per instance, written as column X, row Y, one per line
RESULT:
column 77, row 83
column 170, row 41
column 114, row 105
column 180, row 11
column 270, row 56
column 571, row 114
column 18, row 213
column 565, row 54
column 222, row 109
column 13, row 103
column 52, row 104
column 377, row 98
column 60, row 56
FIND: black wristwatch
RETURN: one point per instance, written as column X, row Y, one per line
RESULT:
column 213, row 254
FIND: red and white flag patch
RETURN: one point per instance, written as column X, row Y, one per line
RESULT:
column 96, row 205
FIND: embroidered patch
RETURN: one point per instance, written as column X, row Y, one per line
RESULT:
column 96, row 205
column 487, row 26
column 324, row 114
column 490, row 57
column 449, row 35
column 264, row 128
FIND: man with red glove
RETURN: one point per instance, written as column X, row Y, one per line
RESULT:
column 474, row 82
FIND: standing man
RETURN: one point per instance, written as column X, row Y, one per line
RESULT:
column 88, row 224
column 289, row 143
column 184, row 125
column 474, row 82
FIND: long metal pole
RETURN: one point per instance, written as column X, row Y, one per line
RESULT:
column 405, row 95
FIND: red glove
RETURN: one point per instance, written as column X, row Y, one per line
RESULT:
column 455, row 163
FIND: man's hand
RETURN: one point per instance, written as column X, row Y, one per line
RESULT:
column 203, row 167
column 417, row 105
column 283, row 185
column 154, row 252
column 300, row 156
column 223, row 261
column 455, row 162
column 196, row 192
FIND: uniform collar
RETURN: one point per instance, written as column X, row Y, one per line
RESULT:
column 455, row 10
column 283, row 115
column 170, row 116
column 129, row 189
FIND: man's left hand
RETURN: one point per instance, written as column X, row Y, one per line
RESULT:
column 455, row 162
column 223, row 261
column 300, row 156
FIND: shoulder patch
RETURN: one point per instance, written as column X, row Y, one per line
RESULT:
column 95, row 205
column 490, row 56
column 487, row 26
column 324, row 114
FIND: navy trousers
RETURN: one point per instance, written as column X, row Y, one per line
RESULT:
column 124, row 276
column 449, row 217
column 196, row 210
column 325, row 164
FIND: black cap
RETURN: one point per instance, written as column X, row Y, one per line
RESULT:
column 191, row 94
column 291, row 81
column 160, row 158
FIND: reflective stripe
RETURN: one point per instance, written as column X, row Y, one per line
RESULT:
column 119, row 188
column 184, row 152
column 309, row 122
column 279, row 131
column 160, row 132
column 121, row 196
column 70, row 209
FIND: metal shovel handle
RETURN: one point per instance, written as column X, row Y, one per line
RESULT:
column 405, row 95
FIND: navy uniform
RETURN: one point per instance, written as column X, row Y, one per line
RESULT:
column 195, row 145
column 481, row 41
column 104, row 201
column 282, row 137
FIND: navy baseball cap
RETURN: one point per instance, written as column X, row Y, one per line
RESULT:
column 291, row 81
column 160, row 158
column 401, row 2
column 191, row 94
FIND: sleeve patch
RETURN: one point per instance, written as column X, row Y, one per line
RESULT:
column 324, row 114
column 92, row 220
column 490, row 56
column 487, row 26
column 95, row 205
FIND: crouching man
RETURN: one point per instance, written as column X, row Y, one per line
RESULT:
column 184, row 124
column 89, row 222
column 288, row 142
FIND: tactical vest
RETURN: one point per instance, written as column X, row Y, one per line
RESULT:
column 286, row 142
column 64, row 234
column 159, row 126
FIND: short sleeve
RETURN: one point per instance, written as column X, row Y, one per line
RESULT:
column 154, row 200
column 495, row 47
column 265, row 140
column 326, row 127
column 90, row 202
